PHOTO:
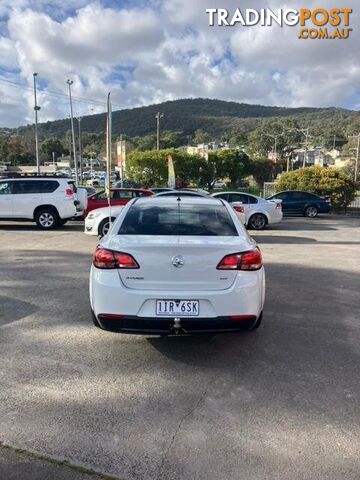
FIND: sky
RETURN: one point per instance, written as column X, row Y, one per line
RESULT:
column 146, row 52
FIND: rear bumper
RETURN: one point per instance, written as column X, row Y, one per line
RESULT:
column 166, row 326
column 138, row 307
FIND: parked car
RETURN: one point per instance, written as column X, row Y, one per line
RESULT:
column 118, row 196
column 171, row 267
column 182, row 193
column 90, row 191
column 258, row 211
column 98, row 221
column 305, row 203
column 47, row 201
column 161, row 189
column 219, row 185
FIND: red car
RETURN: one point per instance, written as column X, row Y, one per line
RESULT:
column 118, row 196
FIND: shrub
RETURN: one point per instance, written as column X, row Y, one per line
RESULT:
column 332, row 182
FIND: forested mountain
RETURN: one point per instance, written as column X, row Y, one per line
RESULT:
column 216, row 117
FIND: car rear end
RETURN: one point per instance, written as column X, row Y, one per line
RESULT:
column 274, row 210
column 177, row 267
column 325, row 204
column 66, row 200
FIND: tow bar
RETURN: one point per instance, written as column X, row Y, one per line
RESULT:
column 177, row 328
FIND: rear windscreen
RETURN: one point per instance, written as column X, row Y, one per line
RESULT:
column 208, row 220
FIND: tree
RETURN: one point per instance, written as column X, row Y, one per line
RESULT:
column 200, row 137
column 51, row 145
column 232, row 164
column 333, row 182
column 262, row 170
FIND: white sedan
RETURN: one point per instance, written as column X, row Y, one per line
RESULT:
column 170, row 266
column 258, row 211
column 98, row 221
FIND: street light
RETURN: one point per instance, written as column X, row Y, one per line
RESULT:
column 80, row 154
column 158, row 116
column 70, row 82
column 36, row 109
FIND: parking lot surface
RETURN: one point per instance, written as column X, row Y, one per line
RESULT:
column 279, row 403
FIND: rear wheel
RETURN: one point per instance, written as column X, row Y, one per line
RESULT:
column 104, row 227
column 257, row 221
column 311, row 211
column 47, row 218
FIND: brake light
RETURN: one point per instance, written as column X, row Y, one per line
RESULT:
column 239, row 209
column 242, row 261
column 69, row 192
column 109, row 260
column 278, row 205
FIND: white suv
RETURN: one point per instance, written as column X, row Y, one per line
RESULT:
column 47, row 201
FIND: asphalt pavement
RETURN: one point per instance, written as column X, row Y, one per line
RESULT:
column 279, row 403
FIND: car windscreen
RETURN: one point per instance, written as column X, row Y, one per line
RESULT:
column 177, row 219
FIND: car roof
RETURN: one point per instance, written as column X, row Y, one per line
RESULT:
column 172, row 201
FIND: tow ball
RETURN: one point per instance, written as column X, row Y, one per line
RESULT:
column 177, row 327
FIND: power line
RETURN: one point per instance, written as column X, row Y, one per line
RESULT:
column 56, row 93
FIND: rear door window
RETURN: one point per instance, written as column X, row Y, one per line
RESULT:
column 224, row 196
column 27, row 187
column 204, row 220
column 238, row 197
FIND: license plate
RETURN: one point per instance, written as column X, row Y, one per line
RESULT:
column 177, row 308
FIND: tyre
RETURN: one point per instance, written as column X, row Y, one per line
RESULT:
column 104, row 227
column 257, row 221
column 257, row 323
column 311, row 211
column 47, row 218
column 63, row 221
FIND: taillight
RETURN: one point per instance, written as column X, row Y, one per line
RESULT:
column 69, row 192
column 241, row 261
column 239, row 209
column 278, row 205
column 109, row 260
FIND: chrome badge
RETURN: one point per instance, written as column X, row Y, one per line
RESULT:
column 178, row 261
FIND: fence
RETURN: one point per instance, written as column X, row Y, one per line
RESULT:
column 269, row 189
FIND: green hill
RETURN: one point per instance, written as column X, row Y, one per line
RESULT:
column 216, row 117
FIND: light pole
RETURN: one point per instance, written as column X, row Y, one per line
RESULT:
column 158, row 116
column 36, row 109
column 357, row 155
column 80, row 154
column 70, row 82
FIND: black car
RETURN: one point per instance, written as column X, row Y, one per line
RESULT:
column 305, row 203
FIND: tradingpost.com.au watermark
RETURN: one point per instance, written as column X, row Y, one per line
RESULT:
column 320, row 23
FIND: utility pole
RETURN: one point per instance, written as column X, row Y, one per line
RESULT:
column 305, row 132
column 70, row 82
column 357, row 155
column 274, row 137
column 357, row 158
column 158, row 116
column 36, row 109
column 80, row 154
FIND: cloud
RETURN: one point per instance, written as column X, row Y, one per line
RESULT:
column 166, row 50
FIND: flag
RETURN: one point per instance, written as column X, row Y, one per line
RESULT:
column 171, row 172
